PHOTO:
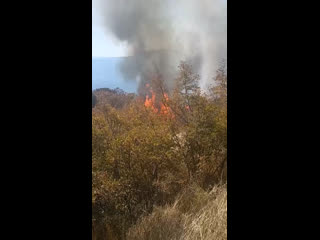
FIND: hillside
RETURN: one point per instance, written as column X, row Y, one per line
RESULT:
column 160, row 160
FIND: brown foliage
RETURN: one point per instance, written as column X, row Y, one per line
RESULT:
column 143, row 160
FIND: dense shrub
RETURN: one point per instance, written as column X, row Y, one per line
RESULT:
column 146, row 157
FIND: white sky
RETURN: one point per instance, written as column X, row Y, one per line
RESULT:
column 103, row 44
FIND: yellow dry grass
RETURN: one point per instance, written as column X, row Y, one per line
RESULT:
column 196, row 215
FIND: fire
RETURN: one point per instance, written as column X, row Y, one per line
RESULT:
column 165, row 109
column 150, row 102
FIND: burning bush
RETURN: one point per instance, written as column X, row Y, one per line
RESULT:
column 146, row 152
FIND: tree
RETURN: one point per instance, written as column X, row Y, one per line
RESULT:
column 142, row 159
column 94, row 100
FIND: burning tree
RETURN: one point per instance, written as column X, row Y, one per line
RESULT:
column 157, row 97
column 143, row 158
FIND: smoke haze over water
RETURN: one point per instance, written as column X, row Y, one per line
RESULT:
column 161, row 33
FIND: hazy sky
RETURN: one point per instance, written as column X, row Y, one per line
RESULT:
column 103, row 44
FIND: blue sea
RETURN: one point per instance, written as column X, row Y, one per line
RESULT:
column 105, row 74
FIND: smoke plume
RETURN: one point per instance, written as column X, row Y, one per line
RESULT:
column 161, row 33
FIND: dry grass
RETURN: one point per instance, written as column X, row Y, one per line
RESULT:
column 195, row 215
column 163, row 223
column 210, row 223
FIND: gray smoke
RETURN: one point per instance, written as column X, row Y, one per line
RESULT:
column 161, row 33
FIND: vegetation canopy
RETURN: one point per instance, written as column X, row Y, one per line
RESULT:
column 152, row 152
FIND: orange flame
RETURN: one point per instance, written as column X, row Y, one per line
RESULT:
column 165, row 109
column 150, row 102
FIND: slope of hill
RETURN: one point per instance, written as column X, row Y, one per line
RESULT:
column 105, row 74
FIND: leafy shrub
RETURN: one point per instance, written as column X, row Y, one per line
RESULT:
column 147, row 162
